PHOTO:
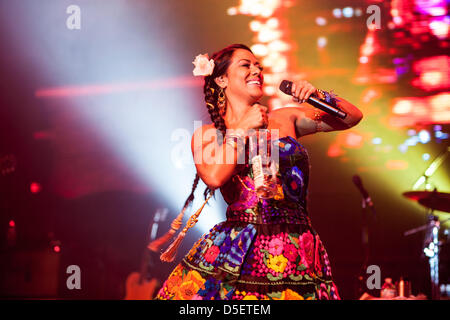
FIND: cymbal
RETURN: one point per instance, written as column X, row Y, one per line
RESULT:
column 430, row 199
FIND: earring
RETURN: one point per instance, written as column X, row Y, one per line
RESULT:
column 221, row 102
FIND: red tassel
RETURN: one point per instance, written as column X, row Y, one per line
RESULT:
column 171, row 251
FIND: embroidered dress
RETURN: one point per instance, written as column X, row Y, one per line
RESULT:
column 266, row 249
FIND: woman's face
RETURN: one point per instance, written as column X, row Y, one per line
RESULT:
column 244, row 77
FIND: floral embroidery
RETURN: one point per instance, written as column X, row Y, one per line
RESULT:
column 190, row 286
column 290, row 295
column 212, row 254
column 277, row 263
column 307, row 249
column 173, row 282
column 266, row 250
column 275, row 247
column 291, row 252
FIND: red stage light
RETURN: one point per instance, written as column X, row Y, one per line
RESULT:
column 12, row 224
column 432, row 73
column 57, row 248
column 335, row 151
column 35, row 187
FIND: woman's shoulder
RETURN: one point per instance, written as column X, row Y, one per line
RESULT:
column 288, row 111
column 299, row 116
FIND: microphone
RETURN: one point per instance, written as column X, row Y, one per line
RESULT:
column 358, row 182
column 286, row 87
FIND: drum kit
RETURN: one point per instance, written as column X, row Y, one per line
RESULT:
column 431, row 200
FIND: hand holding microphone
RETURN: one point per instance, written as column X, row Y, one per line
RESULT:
column 303, row 91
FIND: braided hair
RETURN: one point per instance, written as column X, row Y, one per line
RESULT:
column 222, row 61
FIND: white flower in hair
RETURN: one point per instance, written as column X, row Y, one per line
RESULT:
column 203, row 65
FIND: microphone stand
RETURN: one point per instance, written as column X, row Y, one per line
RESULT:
column 366, row 203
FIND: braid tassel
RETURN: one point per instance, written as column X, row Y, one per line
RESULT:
column 171, row 251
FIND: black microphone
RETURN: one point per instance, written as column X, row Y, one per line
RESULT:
column 358, row 182
column 286, row 87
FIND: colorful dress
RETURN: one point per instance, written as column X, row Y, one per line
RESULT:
column 266, row 249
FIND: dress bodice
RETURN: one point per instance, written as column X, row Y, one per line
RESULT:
column 288, row 205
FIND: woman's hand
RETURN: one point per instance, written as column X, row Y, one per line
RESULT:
column 301, row 90
column 254, row 118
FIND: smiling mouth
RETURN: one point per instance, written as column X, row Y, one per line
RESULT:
column 254, row 82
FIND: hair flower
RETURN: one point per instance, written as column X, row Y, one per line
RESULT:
column 203, row 65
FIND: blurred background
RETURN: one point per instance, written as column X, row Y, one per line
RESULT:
column 98, row 104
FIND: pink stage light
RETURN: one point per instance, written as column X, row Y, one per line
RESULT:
column 87, row 90
column 414, row 110
column 35, row 187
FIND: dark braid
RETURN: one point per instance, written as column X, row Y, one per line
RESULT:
column 222, row 61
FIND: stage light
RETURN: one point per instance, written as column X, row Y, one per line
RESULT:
column 321, row 21
column 441, row 135
column 402, row 107
column 57, row 249
column 347, row 12
column 397, row 20
column 35, row 187
column 12, row 223
column 358, row 12
column 440, row 102
column 232, row 11
column 279, row 46
column 267, row 35
column 260, row 49
column 439, row 11
column 273, row 23
column 426, row 156
column 440, row 26
column 431, row 7
column 424, row 136
column 431, row 78
column 255, row 25
column 363, row 59
column 321, row 42
column 280, row 64
column 337, row 13
column 367, row 50
column 376, row 140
